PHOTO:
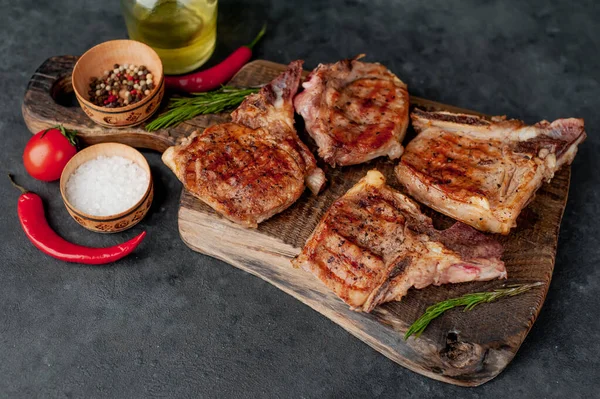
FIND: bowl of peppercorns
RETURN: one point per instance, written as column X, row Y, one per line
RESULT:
column 119, row 83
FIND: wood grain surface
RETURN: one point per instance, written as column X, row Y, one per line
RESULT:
column 462, row 348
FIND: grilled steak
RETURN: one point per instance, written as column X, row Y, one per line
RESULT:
column 355, row 111
column 256, row 166
column 482, row 172
column 374, row 243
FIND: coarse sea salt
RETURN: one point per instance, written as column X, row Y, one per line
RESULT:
column 106, row 185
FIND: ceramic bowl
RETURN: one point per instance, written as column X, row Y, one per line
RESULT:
column 113, row 223
column 102, row 57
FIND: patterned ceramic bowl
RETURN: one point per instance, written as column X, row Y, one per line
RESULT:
column 113, row 223
column 103, row 56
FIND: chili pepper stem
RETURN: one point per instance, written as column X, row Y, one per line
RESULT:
column 258, row 37
column 12, row 181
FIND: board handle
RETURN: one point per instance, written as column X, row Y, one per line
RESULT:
column 49, row 100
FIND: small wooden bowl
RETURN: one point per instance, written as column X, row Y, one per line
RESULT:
column 102, row 57
column 113, row 223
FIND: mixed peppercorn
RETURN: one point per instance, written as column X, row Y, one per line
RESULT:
column 123, row 85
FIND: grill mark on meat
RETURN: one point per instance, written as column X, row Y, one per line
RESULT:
column 256, row 166
column 446, row 177
column 447, row 151
column 347, row 276
column 367, row 219
column 354, row 114
column 365, row 222
column 234, row 160
column 481, row 172
column 486, row 162
column 457, row 168
column 385, row 244
column 376, row 209
column 328, row 262
column 354, row 267
column 353, row 235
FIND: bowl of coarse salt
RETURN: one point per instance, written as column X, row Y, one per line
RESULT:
column 107, row 187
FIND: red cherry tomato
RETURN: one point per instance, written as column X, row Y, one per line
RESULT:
column 48, row 151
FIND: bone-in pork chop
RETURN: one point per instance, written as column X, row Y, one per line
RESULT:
column 482, row 172
column 373, row 244
column 256, row 166
column 355, row 111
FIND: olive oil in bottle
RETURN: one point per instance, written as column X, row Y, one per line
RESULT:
column 182, row 32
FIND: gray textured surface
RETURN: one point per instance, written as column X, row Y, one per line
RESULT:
column 168, row 322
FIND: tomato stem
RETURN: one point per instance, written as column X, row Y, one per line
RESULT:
column 12, row 181
column 258, row 37
column 71, row 135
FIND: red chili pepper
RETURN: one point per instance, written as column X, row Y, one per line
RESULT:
column 216, row 76
column 33, row 220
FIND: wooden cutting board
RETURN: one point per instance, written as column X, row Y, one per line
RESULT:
column 462, row 348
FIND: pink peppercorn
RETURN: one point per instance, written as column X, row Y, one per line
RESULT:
column 116, row 89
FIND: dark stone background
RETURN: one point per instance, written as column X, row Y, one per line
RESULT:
column 168, row 322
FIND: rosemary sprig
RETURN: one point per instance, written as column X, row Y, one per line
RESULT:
column 181, row 109
column 469, row 301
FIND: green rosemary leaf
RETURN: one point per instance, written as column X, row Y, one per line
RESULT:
column 469, row 301
column 180, row 109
